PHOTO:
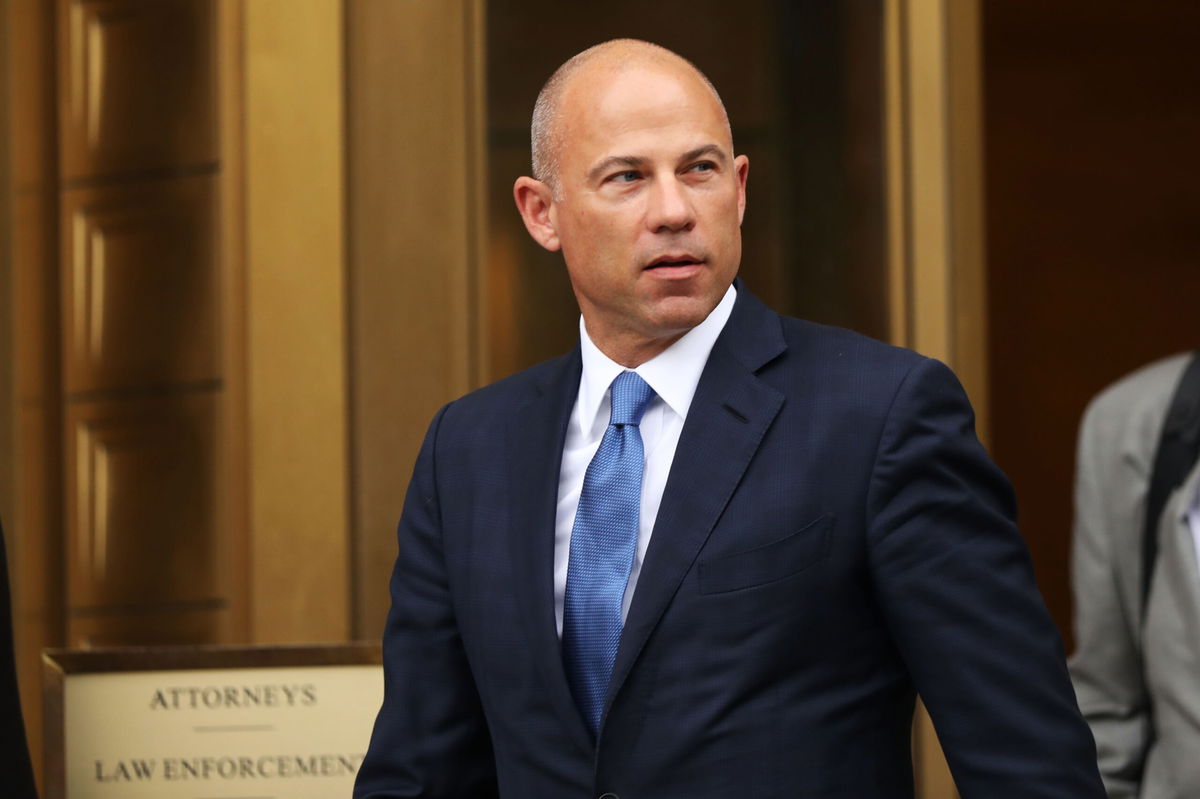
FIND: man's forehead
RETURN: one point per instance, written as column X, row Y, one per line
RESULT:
column 637, row 96
column 612, row 77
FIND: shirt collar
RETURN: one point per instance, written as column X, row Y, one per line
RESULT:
column 673, row 374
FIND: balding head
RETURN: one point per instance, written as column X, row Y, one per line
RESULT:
column 640, row 189
column 549, row 128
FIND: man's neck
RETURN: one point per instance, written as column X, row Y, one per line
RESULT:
column 633, row 351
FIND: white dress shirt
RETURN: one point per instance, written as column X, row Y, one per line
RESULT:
column 673, row 374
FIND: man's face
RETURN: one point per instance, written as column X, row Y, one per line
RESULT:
column 649, row 204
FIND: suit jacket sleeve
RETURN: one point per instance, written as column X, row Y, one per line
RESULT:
column 1105, row 562
column 956, row 585
column 430, row 738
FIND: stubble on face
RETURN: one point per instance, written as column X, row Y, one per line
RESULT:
column 650, row 200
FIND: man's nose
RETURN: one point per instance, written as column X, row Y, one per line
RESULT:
column 670, row 206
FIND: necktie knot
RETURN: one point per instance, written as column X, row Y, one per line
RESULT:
column 630, row 396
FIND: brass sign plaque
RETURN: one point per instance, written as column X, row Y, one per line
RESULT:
column 266, row 731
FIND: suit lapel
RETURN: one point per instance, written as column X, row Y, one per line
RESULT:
column 1178, row 556
column 535, row 444
column 728, row 418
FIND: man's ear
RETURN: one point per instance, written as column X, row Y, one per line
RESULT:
column 741, row 168
column 534, row 201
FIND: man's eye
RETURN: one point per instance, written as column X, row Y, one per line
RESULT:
column 703, row 166
column 625, row 177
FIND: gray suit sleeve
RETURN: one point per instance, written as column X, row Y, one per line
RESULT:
column 1112, row 466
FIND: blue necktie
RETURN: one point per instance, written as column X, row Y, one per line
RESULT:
column 603, row 543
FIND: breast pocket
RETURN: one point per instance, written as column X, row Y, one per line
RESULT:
column 770, row 562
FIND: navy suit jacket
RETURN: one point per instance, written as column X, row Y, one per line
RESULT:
column 832, row 540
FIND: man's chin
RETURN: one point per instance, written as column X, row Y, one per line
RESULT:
column 682, row 313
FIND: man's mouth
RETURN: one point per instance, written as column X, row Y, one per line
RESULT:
column 675, row 261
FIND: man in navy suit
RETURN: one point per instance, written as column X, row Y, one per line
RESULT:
column 819, row 536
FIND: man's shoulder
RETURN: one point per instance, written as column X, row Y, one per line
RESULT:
column 842, row 366
column 842, row 341
column 517, row 389
column 838, row 350
column 1136, row 403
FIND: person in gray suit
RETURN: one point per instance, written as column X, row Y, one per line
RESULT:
column 1136, row 667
